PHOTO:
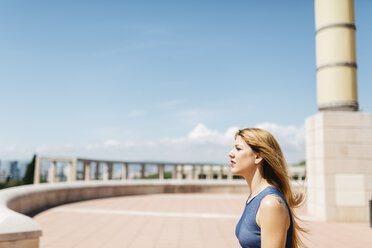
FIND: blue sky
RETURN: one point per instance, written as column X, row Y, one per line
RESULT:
column 163, row 80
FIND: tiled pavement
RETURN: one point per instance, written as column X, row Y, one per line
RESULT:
column 172, row 220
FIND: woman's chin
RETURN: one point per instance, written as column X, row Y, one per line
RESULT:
column 234, row 171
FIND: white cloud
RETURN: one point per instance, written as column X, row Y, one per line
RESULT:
column 202, row 132
column 201, row 144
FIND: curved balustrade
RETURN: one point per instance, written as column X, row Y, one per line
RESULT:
column 19, row 230
column 179, row 170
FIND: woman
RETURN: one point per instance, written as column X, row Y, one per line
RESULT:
column 268, row 219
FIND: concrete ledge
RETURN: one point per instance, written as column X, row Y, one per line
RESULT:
column 25, row 243
column 19, row 230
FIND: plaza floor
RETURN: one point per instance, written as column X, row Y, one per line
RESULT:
column 173, row 220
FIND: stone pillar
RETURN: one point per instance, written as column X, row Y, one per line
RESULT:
column 86, row 171
column 339, row 165
column 106, row 172
column 179, row 171
column 220, row 172
column 229, row 175
column 52, row 172
column 72, row 164
column 37, row 170
column 194, row 172
column 201, row 171
column 124, row 171
column 161, row 171
column 188, row 172
column 335, row 55
column 209, row 173
column 143, row 169
column 175, row 172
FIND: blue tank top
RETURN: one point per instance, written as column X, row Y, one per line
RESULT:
column 247, row 231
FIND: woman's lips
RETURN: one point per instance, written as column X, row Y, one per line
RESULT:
column 232, row 163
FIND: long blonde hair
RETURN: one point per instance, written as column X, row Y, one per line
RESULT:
column 275, row 171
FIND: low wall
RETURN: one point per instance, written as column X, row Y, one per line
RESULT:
column 19, row 230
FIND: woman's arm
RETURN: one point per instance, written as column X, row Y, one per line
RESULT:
column 273, row 219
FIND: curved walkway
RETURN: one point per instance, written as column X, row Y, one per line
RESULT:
column 171, row 220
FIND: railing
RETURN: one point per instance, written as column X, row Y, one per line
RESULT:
column 178, row 170
column 123, row 170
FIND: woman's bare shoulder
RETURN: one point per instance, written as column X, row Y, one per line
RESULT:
column 273, row 203
column 273, row 209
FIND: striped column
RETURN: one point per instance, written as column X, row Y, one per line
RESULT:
column 335, row 55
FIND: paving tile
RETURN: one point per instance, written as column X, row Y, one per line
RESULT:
column 174, row 221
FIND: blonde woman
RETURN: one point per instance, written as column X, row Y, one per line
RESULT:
column 268, row 219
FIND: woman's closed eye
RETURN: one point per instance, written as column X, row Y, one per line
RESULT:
column 237, row 147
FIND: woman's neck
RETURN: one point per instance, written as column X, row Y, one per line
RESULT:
column 256, row 183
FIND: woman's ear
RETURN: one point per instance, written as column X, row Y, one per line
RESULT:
column 258, row 159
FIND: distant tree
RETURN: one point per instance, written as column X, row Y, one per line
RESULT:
column 302, row 163
column 167, row 175
column 29, row 175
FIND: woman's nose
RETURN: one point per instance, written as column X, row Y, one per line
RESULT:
column 231, row 155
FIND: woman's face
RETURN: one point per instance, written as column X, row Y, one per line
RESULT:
column 243, row 158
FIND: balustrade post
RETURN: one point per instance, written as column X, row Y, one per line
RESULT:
column 195, row 172
column 143, row 168
column 105, row 172
column 208, row 172
column 182, row 171
column 52, row 172
column 175, row 171
column 229, row 175
column 220, row 173
column 86, row 171
column 124, row 171
column 161, row 171
column 179, row 171
column 72, row 170
column 37, row 170
column 211, row 171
